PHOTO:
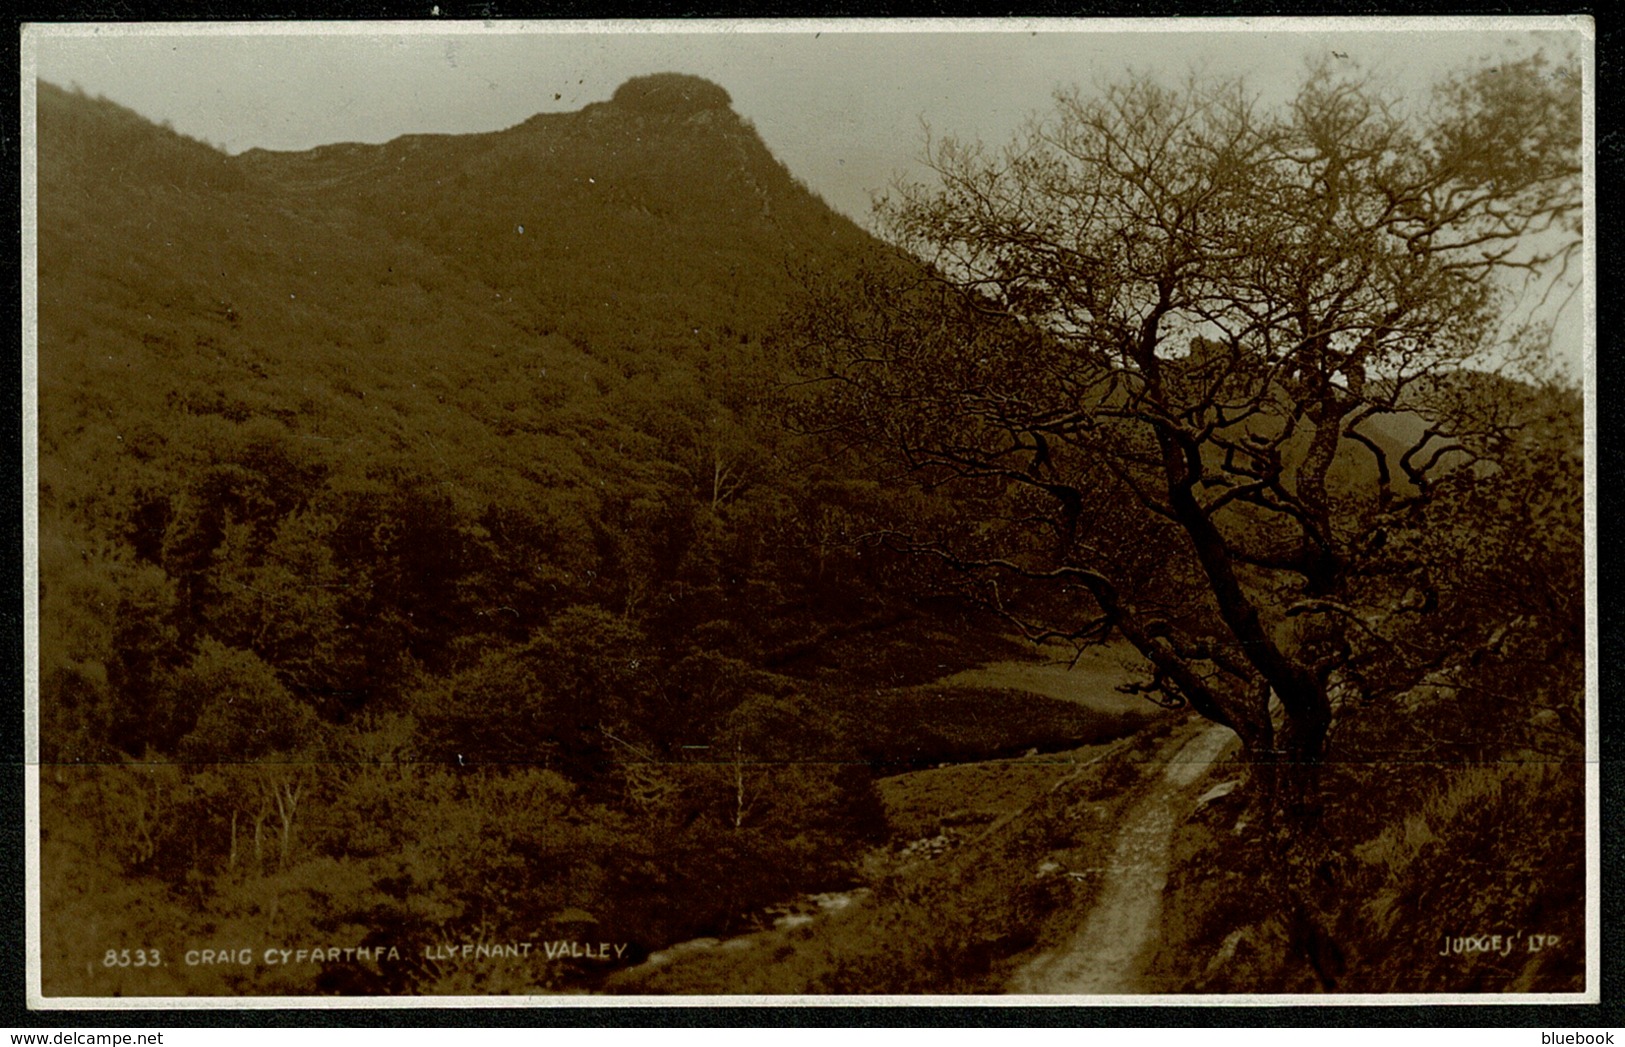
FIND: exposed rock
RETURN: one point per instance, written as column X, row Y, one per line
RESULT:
column 671, row 93
column 1219, row 791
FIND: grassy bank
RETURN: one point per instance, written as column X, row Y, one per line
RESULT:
column 1011, row 877
column 1380, row 903
column 1443, row 851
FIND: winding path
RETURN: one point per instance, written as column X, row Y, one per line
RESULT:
column 1106, row 955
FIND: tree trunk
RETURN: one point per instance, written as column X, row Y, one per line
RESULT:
column 1302, row 750
column 286, row 796
column 1302, row 695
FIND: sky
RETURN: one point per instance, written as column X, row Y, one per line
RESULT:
column 847, row 106
column 844, row 105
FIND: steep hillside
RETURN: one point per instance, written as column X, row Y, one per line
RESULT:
column 650, row 218
column 426, row 488
column 534, row 354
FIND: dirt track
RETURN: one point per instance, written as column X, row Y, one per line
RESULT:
column 1105, row 956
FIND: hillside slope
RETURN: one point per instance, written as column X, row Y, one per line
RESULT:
column 537, row 355
column 426, row 484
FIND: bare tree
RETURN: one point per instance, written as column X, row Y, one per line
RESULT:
column 1184, row 361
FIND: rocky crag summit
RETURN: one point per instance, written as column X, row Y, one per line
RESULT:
column 662, row 183
column 664, row 195
column 669, row 93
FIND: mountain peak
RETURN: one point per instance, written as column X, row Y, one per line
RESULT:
column 671, row 93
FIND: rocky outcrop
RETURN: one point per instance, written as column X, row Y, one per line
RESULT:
column 677, row 93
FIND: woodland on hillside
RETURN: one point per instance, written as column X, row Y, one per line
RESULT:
column 546, row 535
column 412, row 571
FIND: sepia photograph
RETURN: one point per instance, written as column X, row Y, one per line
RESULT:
column 1020, row 512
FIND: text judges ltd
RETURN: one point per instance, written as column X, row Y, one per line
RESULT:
column 273, row 956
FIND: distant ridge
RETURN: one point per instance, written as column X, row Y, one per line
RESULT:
column 660, row 187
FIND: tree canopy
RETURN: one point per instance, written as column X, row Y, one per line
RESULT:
column 1201, row 371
